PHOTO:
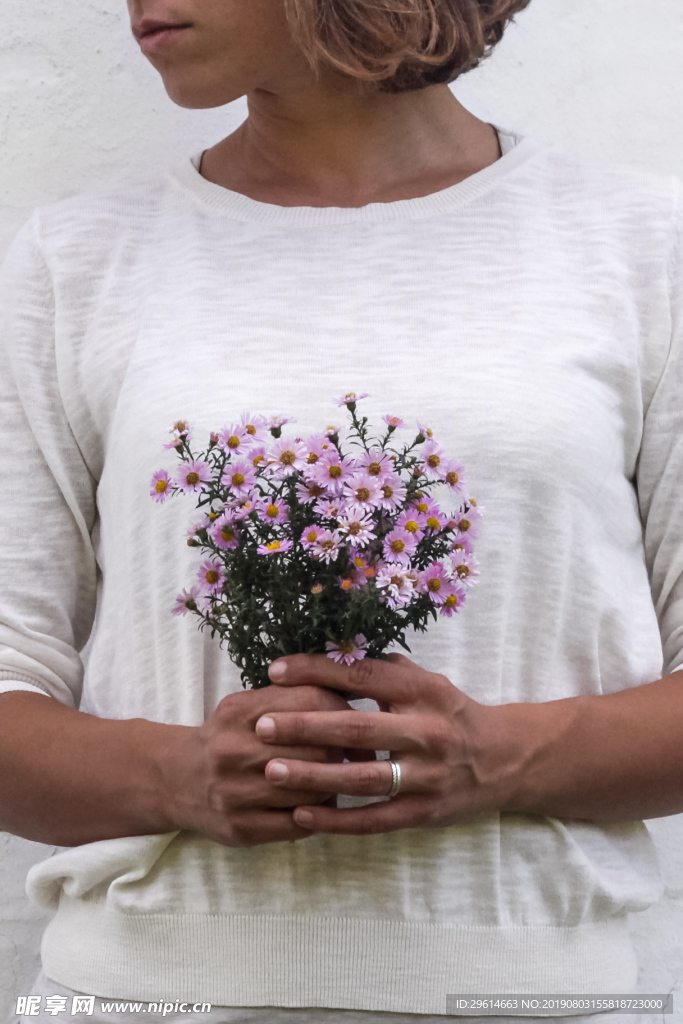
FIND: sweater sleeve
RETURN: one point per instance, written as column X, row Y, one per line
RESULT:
column 47, row 501
column 660, row 473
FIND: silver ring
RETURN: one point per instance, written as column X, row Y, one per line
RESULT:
column 395, row 778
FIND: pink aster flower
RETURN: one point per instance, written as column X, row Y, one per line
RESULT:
column 160, row 486
column 434, row 518
column 310, row 491
column 316, row 447
column 412, row 521
column 181, row 431
column 234, row 440
column 224, row 532
column 186, row 601
column 434, row 460
column 239, row 477
column 347, row 651
column 211, row 576
column 255, row 426
column 330, row 508
column 399, row 545
column 377, row 463
column 326, row 547
column 240, row 512
column 357, row 527
column 331, row 471
column 393, row 493
column 274, row 547
column 351, row 398
column 286, row 457
column 364, row 490
column 426, row 431
column 397, row 586
column 454, row 601
column 393, row 422
column 192, row 475
column 467, row 523
column 258, row 456
column 273, row 510
column 434, row 582
column 453, row 477
column 464, row 567
column 331, row 431
column 310, row 536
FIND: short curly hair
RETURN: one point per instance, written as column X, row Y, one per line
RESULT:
column 400, row 44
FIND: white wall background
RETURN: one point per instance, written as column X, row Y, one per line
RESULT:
column 79, row 105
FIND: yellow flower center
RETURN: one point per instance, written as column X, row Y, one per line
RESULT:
column 317, row 589
column 451, row 601
column 411, row 526
column 346, row 585
column 228, row 534
column 433, row 523
column 397, row 581
column 363, row 494
column 463, row 571
column 397, row 546
column 312, row 458
column 288, row 458
column 272, row 511
column 452, row 478
column 250, row 429
column 312, row 536
column 238, row 479
column 233, row 441
column 359, row 562
column 422, row 507
column 274, row 545
column 180, row 427
column 375, row 468
column 192, row 479
column 315, row 490
column 434, row 585
column 464, row 525
column 258, row 459
column 388, row 491
column 434, row 461
column 335, row 472
column 212, row 576
column 354, row 529
column 161, row 486
column 327, row 545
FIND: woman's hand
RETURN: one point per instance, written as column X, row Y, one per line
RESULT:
column 214, row 773
column 458, row 758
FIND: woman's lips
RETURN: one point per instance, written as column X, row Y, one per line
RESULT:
column 158, row 39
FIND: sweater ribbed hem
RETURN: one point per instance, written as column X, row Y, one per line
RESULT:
column 337, row 963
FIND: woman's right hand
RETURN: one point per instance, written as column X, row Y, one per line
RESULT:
column 215, row 773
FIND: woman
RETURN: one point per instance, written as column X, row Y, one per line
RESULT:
column 361, row 229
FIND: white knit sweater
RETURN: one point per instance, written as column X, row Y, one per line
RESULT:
column 532, row 314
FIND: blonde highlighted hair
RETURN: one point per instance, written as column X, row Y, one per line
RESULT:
column 400, row 44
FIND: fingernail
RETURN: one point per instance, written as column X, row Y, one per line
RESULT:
column 304, row 818
column 278, row 770
column 265, row 727
column 278, row 670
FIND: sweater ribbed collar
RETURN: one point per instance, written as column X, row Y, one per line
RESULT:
column 516, row 150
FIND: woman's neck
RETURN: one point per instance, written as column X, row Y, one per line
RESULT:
column 348, row 147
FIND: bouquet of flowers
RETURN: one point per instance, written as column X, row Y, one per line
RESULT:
column 317, row 545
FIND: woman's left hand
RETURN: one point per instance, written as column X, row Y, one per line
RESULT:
column 458, row 758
